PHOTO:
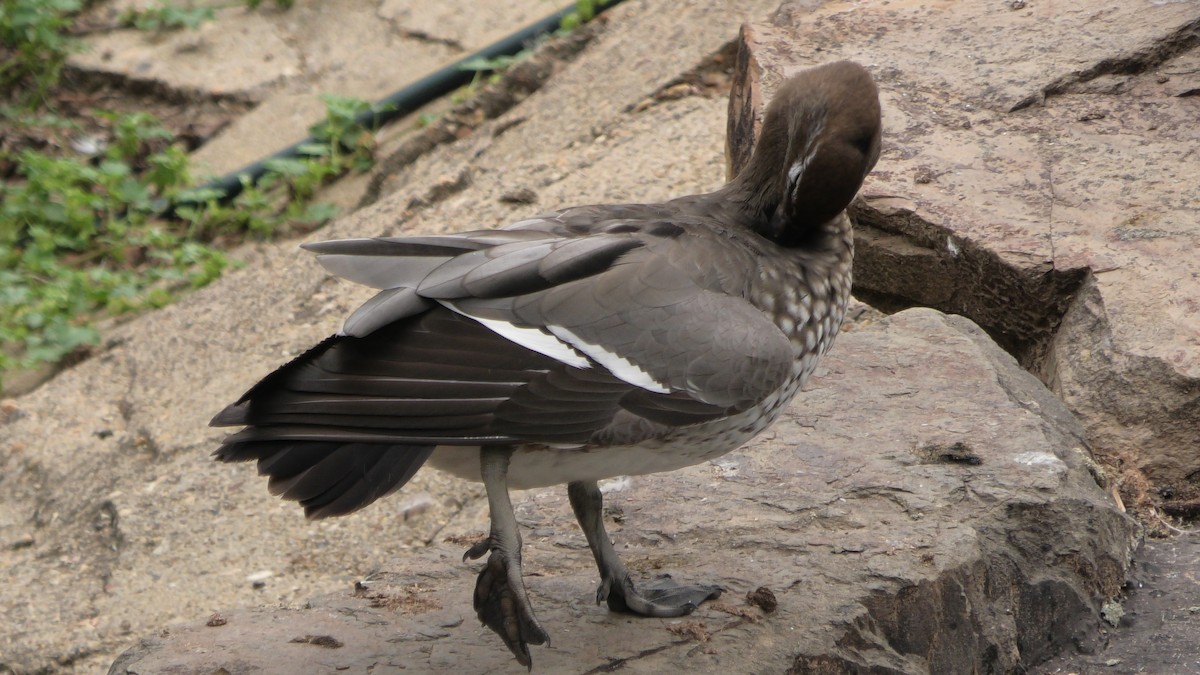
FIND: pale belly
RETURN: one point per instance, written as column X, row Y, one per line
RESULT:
column 540, row 466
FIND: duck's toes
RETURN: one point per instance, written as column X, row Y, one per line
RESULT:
column 662, row 597
column 503, row 605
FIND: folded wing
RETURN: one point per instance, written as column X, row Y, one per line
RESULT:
column 503, row 337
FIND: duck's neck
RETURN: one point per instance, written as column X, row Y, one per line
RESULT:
column 758, row 195
column 758, row 190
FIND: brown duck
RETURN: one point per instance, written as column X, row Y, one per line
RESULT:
column 577, row 345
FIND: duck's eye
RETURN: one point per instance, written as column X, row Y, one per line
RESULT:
column 863, row 143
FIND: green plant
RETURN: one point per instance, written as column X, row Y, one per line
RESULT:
column 166, row 17
column 345, row 142
column 281, row 4
column 500, row 63
column 85, row 237
column 286, row 190
column 34, row 43
column 494, row 67
column 585, row 11
column 78, row 240
column 207, row 217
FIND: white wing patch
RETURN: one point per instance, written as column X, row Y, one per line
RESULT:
column 535, row 339
column 566, row 347
column 618, row 365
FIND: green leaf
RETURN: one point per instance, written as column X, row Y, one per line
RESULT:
column 288, row 166
column 319, row 213
column 313, row 149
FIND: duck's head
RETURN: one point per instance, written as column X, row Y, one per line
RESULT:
column 820, row 138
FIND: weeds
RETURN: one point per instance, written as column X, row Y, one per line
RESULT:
column 78, row 239
column 34, row 44
column 167, row 17
column 585, row 11
column 281, row 4
column 84, row 236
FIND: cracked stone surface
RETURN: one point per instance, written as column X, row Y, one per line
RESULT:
column 1037, row 183
column 239, row 54
column 1154, row 629
column 447, row 22
column 284, row 60
column 970, row 537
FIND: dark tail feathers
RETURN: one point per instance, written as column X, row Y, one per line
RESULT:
column 330, row 478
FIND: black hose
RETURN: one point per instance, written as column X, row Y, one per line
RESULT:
column 400, row 103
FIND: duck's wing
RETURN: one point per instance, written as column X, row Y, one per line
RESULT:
column 503, row 338
column 648, row 303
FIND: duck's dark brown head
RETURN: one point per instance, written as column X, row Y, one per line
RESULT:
column 820, row 138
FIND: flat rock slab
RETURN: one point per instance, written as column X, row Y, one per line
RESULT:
column 1038, row 176
column 927, row 506
column 283, row 60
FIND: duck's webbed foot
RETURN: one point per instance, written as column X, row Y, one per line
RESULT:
column 501, row 601
column 662, row 597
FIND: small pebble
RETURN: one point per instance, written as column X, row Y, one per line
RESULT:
column 519, row 196
column 763, row 598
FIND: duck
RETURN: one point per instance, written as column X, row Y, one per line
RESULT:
column 578, row 345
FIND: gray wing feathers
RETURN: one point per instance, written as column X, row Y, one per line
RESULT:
column 523, row 267
column 387, row 306
column 641, row 307
column 646, row 310
column 502, row 270
column 716, row 348
column 374, row 262
column 579, row 258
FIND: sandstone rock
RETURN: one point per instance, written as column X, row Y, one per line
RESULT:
column 348, row 50
column 927, row 506
column 1159, row 618
column 238, row 54
column 283, row 61
column 1035, row 177
column 449, row 24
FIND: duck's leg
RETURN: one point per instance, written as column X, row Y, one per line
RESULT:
column 500, row 597
column 661, row 597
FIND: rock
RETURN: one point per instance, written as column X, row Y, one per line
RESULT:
column 283, row 61
column 1159, row 616
column 1034, row 178
column 448, row 24
column 881, row 551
